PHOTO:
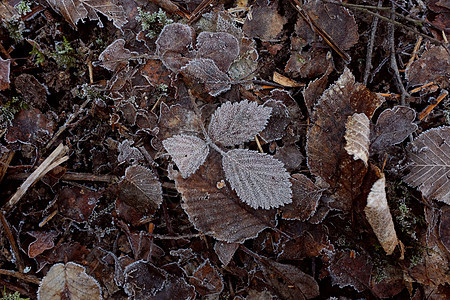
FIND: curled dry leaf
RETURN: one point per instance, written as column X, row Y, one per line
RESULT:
column 357, row 131
column 236, row 123
column 393, row 127
column 204, row 72
column 116, row 56
column 221, row 47
column 219, row 212
column 434, row 65
column 187, row 151
column 265, row 23
column 429, row 164
column 379, row 216
column 259, row 179
column 44, row 241
column 337, row 168
column 4, row 73
column 141, row 189
column 69, row 280
column 76, row 10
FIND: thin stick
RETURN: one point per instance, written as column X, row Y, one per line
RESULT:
column 370, row 47
column 12, row 242
column 414, row 53
column 70, row 176
column 48, row 218
column 430, row 107
column 421, row 87
column 91, row 72
column 19, row 275
column 259, row 144
column 54, row 159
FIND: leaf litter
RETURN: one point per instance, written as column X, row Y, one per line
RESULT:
column 191, row 174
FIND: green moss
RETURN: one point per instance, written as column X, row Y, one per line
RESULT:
column 153, row 23
column 64, row 54
column 9, row 296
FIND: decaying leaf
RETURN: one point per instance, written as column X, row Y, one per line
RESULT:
column 393, row 127
column 76, row 10
column 357, row 131
column 206, row 279
column 203, row 71
column 236, row 123
column 173, row 45
column 265, row 23
column 379, row 216
column 434, row 65
column 116, row 56
column 141, row 189
column 221, row 47
column 77, row 203
column 69, row 280
column 259, row 179
column 4, row 73
column 277, row 123
column 429, row 164
column 44, row 241
column 29, row 126
column 31, row 89
column 337, row 168
column 128, row 153
column 219, row 212
column 187, row 151
column 225, row 251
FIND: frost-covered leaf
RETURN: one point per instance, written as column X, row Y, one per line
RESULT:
column 259, row 180
column 140, row 188
column 173, row 45
column 29, row 126
column 393, row 127
column 225, row 251
column 206, row 279
column 350, row 271
column 357, row 131
column 277, row 123
column 76, row 203
column 116, row 56
column 337, row 168
column 128, row 153
column 217, row 211
column 236, row 123
column 76, row 10
column 69, row 280
column 204, row 73
column 187, row 151
column 265, row 23
column 4, row 73
column 379, row 216
column 221, row 47
column 429, row 164
column 44, row 241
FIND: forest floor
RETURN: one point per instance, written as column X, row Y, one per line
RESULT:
column 236, row 150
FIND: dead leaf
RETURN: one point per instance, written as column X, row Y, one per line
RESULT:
column 29, row 126
column 219, row 212
column 393, row 127
column 277, row 123
column 379, row 216
column 44, row 241
column 357, row 131
column 77, row 203
column 225, row 251
column 206, row 279
column 221, row 47
column 429, row 164
column 434, row 65
column 76, row 10
column 4, row 73
column 337, row 168
column 173, row 45
column 265, row 23
column 128, row 153
column 115, row 57
column 308, row 64
column 31, row 89
column 315, row 88
column 70, row 280
column 444, row 227
column 305, row 198
column 290, row 156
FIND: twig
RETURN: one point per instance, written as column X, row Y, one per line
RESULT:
column 414, row 53
column 5, row 160
column 370, row 47
column 69, row 176
column 25, row 277
column 56, row 158
column 430, row 107
column 12, row 242
column 258, row 143
column 391, row 37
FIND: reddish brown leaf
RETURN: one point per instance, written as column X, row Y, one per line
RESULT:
column 308, row 64
column 72, row 251
column 350, row 271
column 337, row 168
column 31, row 89
column 172, row 45
column 44, row 241
column 219, row 212
column 290, row 156
column 206, row 279
column 29, row 126
column 77, row 203
column 444, row 227
column 315, row 88
column 4, row 73
column 305, row 197
column 265, row 23
column 155, row 72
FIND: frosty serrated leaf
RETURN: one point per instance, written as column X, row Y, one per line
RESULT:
column 204, row 71
column 187, row 151
column 128, row 153
column 174, row 37
column 429, row 164
column 115, row 56
column 393, row 127
column 258, row 179
column 221, row 47
column 69, row 280
column 141, row 189
column 357, row 137
column 76, row 10
column 236, row 123
column 379, row 216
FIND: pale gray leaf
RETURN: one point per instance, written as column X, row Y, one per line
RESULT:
column 429, row 164
column 236, row 123
column 221, row 47
column 187, row 151
column 116, row 56
column 357, row 132
column 175, row 37
column 204, row 71
column 258, row 179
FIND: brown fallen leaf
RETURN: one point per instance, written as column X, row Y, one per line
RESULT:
column 265, row 23
column 206, row 279
column 357, row 132
column 4, row 73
